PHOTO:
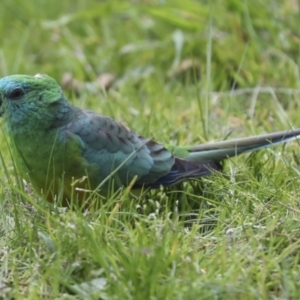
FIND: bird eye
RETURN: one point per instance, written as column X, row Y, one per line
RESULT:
column 16, row 94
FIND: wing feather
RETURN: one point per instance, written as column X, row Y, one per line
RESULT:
column 110, row 144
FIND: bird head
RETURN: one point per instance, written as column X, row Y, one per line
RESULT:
column 23, row 97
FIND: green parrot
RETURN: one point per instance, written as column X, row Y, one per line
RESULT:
column 59, row 147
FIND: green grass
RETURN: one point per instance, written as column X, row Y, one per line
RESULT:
column 231, row 236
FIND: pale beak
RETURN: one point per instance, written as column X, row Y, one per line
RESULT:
column 1, row 105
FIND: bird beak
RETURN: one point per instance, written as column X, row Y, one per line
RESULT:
column 1, row 106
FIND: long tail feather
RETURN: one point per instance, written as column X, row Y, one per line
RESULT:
column 224, row 149
column 202, row 160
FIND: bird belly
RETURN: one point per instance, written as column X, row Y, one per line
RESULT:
column 57, row 170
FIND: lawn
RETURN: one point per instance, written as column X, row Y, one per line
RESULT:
column 180, row 72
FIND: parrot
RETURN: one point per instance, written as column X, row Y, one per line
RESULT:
column 67, row 151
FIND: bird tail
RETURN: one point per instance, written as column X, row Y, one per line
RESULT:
column 202, row 160
column 184, row 169
column 225, row 149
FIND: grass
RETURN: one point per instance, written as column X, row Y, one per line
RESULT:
column 184, row 72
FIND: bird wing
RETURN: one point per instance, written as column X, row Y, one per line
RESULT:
column 110, row 145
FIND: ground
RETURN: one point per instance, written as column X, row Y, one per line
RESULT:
column 181, row 72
